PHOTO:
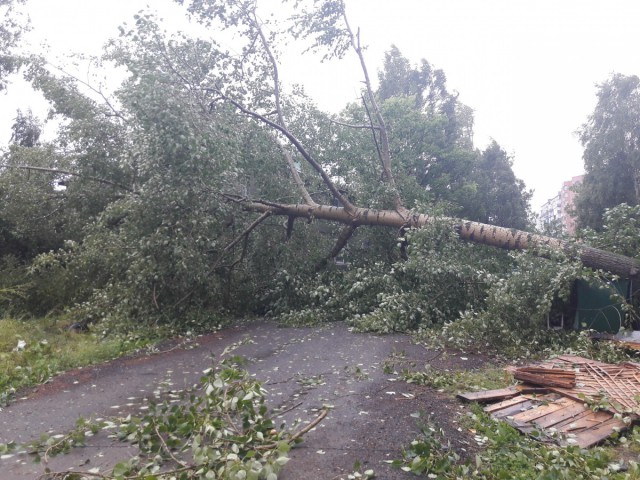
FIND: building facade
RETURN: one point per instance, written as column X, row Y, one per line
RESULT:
column 558, row 210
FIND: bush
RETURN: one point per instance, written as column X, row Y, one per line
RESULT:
column 441, row 277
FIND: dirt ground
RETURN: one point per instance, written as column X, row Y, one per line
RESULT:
column 373, row 416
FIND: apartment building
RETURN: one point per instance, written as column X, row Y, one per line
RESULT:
column 558, row 209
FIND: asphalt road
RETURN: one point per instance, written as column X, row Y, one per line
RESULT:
column 373, row 416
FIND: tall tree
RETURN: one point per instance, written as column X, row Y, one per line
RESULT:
column 432, row 141
column 26, row 129
column 611, row 141
column 430, row 131
column 501, row 198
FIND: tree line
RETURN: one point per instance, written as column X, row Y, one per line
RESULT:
column 199, row 188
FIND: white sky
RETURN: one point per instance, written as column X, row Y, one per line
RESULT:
column 527, row 67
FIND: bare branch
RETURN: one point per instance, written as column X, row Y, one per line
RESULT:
column 385, row 154
column 290, row 222
column 357, row 127
column 73, row 174
column 166, row 448
column 375, row 138
column 309, row 427
column 245, row 245
column 296, row 143
column 276, row 92
column 296, row 176
column 245, row 233
column 98, row 91
column 297, row 434
column 266, row 214
column 346, row 234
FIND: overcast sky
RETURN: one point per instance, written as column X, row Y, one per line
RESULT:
column 528, row 68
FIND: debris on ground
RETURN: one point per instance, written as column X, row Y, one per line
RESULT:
column 569, row 400
column 549, row 377
column 624, row 339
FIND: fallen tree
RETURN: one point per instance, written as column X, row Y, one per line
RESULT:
column 198, row 135
column 491, row 235
column 328, row 26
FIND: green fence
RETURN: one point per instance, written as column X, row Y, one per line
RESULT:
column 596, row 310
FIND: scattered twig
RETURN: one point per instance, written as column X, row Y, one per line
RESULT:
column 288, row 409
column 166, row 448
column 299, row 433
column 83, row 474
column 45, row 457
column 304, row 430
column 67, row 473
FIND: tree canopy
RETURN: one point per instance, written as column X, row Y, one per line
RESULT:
column 611, row 140
column 200, row 186
column 11, row 28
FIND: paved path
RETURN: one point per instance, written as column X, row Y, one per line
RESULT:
column 370, row 422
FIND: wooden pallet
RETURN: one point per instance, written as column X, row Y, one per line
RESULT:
column 560, row 413
column 557, row 418
column 620, row 384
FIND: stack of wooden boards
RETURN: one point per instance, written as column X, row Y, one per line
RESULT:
column 557, row 399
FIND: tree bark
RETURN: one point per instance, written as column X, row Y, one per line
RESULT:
column 491, row 235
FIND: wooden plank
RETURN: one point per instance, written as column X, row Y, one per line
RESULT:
column 587, row 419
column 489, row 395
column 540, row 411
column 561, row 371
column 569, row 412
column 530, row 389
column 515, row 409
column 505, row 403
column 594, row 435
column 576, row 360
column 552, row 377
column 573, row 394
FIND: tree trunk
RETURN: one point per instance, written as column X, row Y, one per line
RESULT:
column 500, row 237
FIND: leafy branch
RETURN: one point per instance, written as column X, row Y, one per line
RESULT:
column 224, row 429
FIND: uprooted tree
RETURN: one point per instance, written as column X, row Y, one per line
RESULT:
column 138, row 202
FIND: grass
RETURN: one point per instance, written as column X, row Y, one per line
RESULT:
column 458, row 381
column 504, row 453
column 33, row 351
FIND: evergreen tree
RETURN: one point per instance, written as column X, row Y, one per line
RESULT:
column 502, row 199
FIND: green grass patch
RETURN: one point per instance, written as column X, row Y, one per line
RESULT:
column 33, row 351
column 457, row 381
